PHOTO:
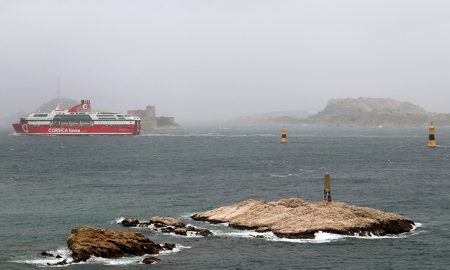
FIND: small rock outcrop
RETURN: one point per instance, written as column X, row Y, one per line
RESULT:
column 168, row 225
column 169, row 246
column 151, row 260
column 167, row 221
column 181, row 231
column 46, row 254
column 85, row 242
column 295, row 218
column 129, row 222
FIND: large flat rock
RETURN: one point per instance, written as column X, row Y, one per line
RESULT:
column 295, row 218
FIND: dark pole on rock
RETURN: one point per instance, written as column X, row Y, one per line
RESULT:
column 327, row 188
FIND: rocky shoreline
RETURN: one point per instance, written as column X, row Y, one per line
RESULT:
column 87, row 242
column 166, row 225
column 287, row 218
column 295, row 218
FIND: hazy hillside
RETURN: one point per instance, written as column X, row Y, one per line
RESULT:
column 272, row 118
column 375, row 112
column 65, row 103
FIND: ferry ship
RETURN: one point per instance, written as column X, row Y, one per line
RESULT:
column 78, row 120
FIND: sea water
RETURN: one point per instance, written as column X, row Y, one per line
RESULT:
column 50, row 185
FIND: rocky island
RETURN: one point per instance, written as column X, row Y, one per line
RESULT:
column 271, row 118
column 295, row 218
column 375, row 112
column 352, row 112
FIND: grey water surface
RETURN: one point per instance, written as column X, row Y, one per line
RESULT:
column 52, row 184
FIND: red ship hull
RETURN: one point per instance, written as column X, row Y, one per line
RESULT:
column 26, row 129
column 78, row 120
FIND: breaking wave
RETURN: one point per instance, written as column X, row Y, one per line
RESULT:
column 319, row 237
column 65, row 254
column 119, row 220
column 41, row 261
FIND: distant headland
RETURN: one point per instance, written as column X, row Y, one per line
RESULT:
column 356, row 112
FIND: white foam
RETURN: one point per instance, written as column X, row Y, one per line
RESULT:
column 64, row 252
column 187, row 215
column 119, row 220
column 177, row 249
column 133, row 259
column 241, row 234
column 189, row 234
column 120, row 261
column 319, row 237
column 226, row 224
column 413, row 231
column 281, row 175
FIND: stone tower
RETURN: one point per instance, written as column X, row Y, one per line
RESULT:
column 148, row 117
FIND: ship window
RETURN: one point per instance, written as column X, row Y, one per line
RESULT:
column 40, row 115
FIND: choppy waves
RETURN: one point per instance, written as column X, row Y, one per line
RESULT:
column 65, row 253
column 41, row 261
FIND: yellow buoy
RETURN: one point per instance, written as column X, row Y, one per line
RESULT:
column 431, row 136
column 283, row 136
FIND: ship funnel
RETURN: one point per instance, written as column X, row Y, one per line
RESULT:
column 84, row 106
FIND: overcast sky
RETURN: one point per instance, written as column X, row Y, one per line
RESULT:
column 211, row 59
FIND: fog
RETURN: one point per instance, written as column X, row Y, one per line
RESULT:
column 203, row 60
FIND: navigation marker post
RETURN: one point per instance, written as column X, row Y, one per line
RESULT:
column 431, row 136
column 283, row 136
column 327, row 188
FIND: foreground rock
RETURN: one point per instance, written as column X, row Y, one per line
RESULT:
column 294, row 218
column 167, row 225
column 85, row 242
